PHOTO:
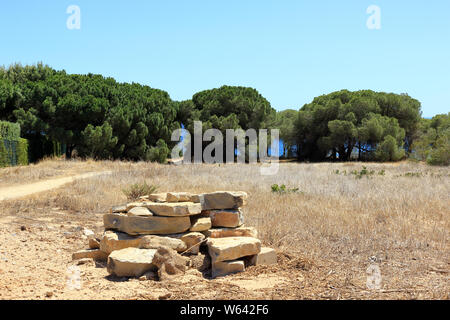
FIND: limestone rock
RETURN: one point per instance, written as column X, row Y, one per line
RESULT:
column 95, row 254
column 226, row 218
column 224, row 268
column 158, row 197
column 131, row 262
column 94, row 243
column 113, row 240
column 169, row 263
column 132, row 205
column 118, row 209
column 146, row 225
column 222, row 200
column 200, row 224
column 225, row 249
column 174, row 209
column 193, row 241
column 179, row 197
column 139, row 212
column 155, row 242
column 231, row 232
column 267, row 256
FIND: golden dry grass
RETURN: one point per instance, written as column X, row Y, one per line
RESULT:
column 337, row 221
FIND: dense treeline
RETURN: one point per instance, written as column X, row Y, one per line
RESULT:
column 101, row 118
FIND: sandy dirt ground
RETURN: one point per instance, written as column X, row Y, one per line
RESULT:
column 36, row 263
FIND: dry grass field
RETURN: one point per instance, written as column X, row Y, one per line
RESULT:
column 341, row 219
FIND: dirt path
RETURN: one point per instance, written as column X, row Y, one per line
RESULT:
column 15, row 192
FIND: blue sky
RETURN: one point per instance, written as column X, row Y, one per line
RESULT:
column 289, row 50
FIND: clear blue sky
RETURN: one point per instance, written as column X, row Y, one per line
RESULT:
column 290, row 50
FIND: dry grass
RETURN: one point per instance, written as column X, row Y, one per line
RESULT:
column 335, row 220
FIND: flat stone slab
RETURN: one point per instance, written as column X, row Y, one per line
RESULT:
column 223, row 200
column 200, row 224
column 157, row 197
column 139, row 212
column 146, row 225
column 95, row 254
column 118, row 209
column 224, row 268
column 131, row 262
column 267, row 256
column 175, row 209
column 114, row 240
column 155, row 242
column 232, row 248
column 231, row 232
column 179, row 197
column 225, row 218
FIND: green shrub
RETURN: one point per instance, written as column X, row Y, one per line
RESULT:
column 137, row 190
column 283, row 189
column 22, row 152
column 4, row 159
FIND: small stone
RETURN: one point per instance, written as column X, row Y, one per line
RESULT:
column 267, row 256
column 200, row 224
column 88, row 233
column 178, row 197
column 193, row 241
column 139, row 212
column 158, row 197
column 49, row 294
column 94, row 243
column 131, row 262
column 231, row 232
column 222, row 200
column 225, row 249
column 85, row 261
column 154, row 242
column 118, row 209
column 165, row 296
column 226, row 218
column 23, row 228
column 224, row 268
column 95, row 254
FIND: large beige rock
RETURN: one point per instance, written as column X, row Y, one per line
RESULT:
column 114, row 240
column 139, row 212
column 157, row 197
column 224, row 268
column 222, row 200
column 179, row 197
column 193, row 241
column 267, row 256
column 174, row 209
column 225, row 218
column 169, row 263
column 146, row 225
column 118, row 209
column 225, row 249
column 95, row 254
column 200, row 224
column 155, row 242
column 131, row 262
column 231, row 232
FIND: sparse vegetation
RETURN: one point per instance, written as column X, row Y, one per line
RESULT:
column 137, row 190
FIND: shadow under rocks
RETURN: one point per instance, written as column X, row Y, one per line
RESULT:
column 113, row 278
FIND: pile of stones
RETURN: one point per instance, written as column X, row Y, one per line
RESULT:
column 165, row 234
